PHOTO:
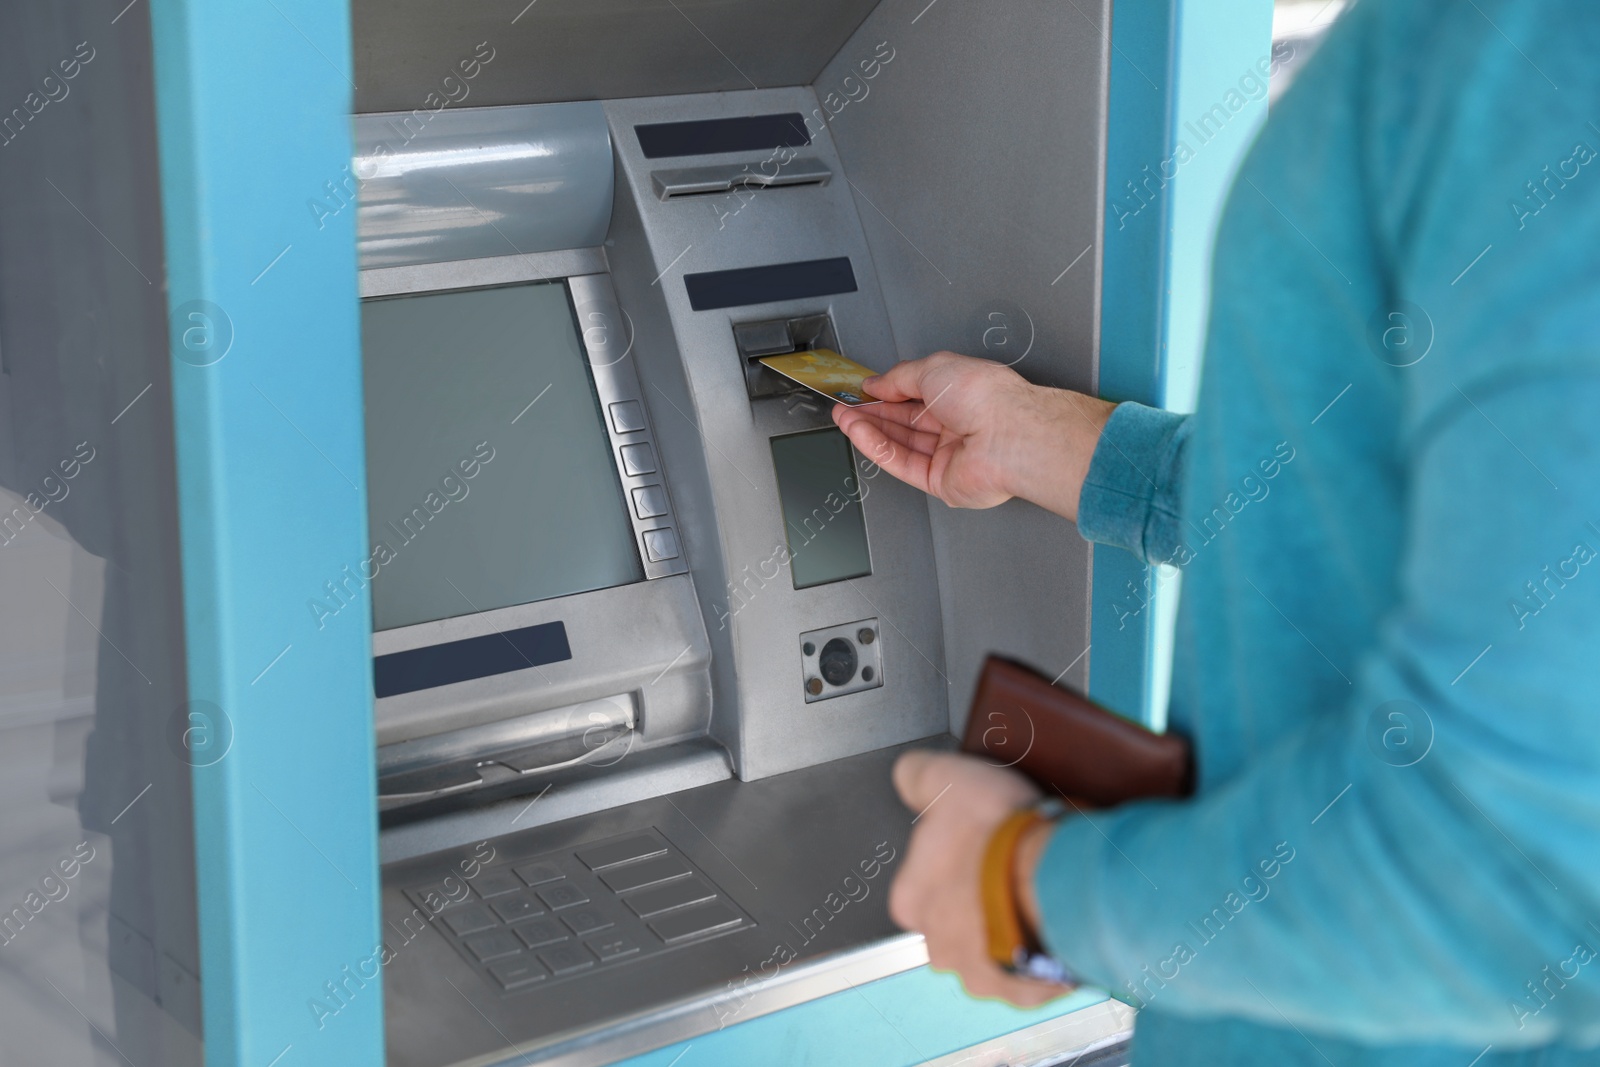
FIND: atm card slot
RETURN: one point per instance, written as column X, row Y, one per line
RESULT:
column 725, row 178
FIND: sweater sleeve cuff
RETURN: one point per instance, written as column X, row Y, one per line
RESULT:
column 1074, row 930
column 1130, row 496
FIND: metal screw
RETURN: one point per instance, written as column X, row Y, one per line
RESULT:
column 866, row 636
column 809, row 649
column 866, row 674
column 814, row 686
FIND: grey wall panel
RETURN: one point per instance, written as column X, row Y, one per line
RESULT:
column 91, row 648
column 587, row 49
column 976, row 156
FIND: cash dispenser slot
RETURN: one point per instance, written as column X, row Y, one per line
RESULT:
column 776, row 337
column 513, row 750
column 726, row 177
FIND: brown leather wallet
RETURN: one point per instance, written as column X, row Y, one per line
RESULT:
column 1067, row 743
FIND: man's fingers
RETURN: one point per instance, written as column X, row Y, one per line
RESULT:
column 991, row 983
column 898, row 432
column 917, row 778
column 912, row 413
column 903, row 381
column 906, row 464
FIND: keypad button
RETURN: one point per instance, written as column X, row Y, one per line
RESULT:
column 660, row 545
column 520, row 905
column 692, row 922
column 563, row 895
column 565, row 959
column 650, row 502
column 586, row 921
column 514, row 974
column 627, row 416
column 495, row 883
column 492, row 945
column 539, row 873
column 648, row 872
column 469, row 920
column 638, row 459
column 433, row 899
column 540, row 932
column 648, row 902
column 614, row 947
column 637, row 847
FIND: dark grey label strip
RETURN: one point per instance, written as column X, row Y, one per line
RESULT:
column 763, row 285
column 702, row 137
column 469, row 658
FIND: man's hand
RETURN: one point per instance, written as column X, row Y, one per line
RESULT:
column 975, row 433
column 962, row 800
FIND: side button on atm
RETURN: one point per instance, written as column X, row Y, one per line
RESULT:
column 660, row 545
column 650, row 502
column 638, row 459
column 627, row 416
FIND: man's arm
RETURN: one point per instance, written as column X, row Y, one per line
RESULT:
column 1453, row 894
column 1132, row 492
column 975, row 433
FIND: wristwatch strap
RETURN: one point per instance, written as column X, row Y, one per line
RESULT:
column 1012, row 945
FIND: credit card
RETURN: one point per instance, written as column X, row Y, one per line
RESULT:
column 827, row 372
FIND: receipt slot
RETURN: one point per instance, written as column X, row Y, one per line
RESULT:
column 648, row 631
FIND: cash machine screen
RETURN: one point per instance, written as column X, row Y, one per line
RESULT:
column 490, row 480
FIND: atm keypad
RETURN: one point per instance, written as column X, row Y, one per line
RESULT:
column 531, row 921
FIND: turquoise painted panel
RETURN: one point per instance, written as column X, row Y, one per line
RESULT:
column 1133, row 317
column 899, row 1021
column 1185, row 103
column 253, row 104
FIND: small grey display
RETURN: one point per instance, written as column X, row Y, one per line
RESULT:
column 822, row 514
column 484, row 438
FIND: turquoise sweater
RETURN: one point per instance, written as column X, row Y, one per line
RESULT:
column 1386, row 510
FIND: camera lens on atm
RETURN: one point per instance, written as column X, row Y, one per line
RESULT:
column 838, row 661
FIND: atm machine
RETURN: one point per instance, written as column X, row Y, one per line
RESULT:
column 648, row 632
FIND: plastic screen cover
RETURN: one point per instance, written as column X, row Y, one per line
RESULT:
column 490, row 476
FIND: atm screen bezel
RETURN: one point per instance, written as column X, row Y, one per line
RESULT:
column 606, row 340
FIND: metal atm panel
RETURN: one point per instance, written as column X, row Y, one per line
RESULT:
column 709, row 421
